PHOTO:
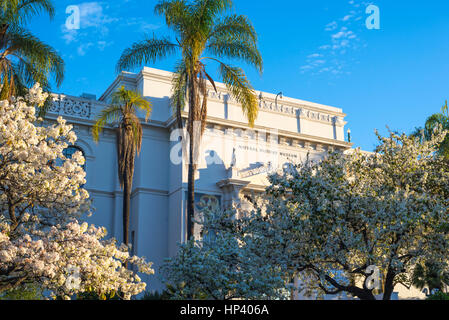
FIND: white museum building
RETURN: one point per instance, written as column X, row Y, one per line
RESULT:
column 234, row 161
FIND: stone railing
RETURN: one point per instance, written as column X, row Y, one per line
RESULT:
column 75, row 107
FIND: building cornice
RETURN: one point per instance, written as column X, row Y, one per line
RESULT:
column 281, row 133
column 266, row 99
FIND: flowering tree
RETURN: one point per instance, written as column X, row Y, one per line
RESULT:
column 223, row 265
column 41, row 241
column 339, row 219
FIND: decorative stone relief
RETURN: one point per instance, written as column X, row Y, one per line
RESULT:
column 71, row 106
column 262, row 168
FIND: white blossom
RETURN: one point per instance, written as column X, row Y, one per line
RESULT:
column 41, row 202
column 329, row 221
column 224, row 265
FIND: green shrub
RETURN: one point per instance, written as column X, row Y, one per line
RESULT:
column 95, row 296
column 24, row 292
column 156, row 295
column 439, row 296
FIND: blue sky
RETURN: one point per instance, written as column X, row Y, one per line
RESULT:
column 319, row 51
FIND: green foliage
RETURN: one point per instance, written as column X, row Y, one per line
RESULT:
column 430, row 274
column 124, row 111
column 25, row 59
column 24, row 292
column 125, row 104
column 165, row 295
column 94, row 296
column 203, row 32
column 432, row 123
column 20, row 11
column 439, row 296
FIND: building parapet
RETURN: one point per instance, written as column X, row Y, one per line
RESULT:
column 76, row 107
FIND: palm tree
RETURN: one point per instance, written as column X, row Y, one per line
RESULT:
column 123, row 112
column 430, row 275
column 203, row 35
column 435, row 120
column 24, row 59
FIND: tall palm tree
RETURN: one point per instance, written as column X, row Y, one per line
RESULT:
column 24, row 59
column 435, row 120
column 123, row 112
column 203, row 34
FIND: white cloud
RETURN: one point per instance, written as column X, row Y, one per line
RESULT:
column 92, row 15
column 343, row 39
column 82, row 49
column 98, row 19
column 140, row 24
column 93, row 21
column 331, row 26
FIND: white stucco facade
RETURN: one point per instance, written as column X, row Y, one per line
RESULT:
column 235, row 158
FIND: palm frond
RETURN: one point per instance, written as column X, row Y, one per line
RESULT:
column 445, row 109
column 246, row 51
column 241, row 89
column 432, row 123
column 435, row 120
column 109, row 115
column 145, row 106
column 30, row 8
column 21, row 11
column 235, row 26
column 179, row 91
column 27, row 74
column 140, row 103
column 123, row 111
column 43, row 58
column 205, row 11
column 179, row 86
column 137, row 132
column 7, row 82
column 132, row 100
column 146, row 51
column 174, row 12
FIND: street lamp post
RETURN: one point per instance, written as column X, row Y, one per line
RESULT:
column 280, row 95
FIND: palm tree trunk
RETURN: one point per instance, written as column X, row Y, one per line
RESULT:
column 193, row 116
column 191, row 200
column 126, row 207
